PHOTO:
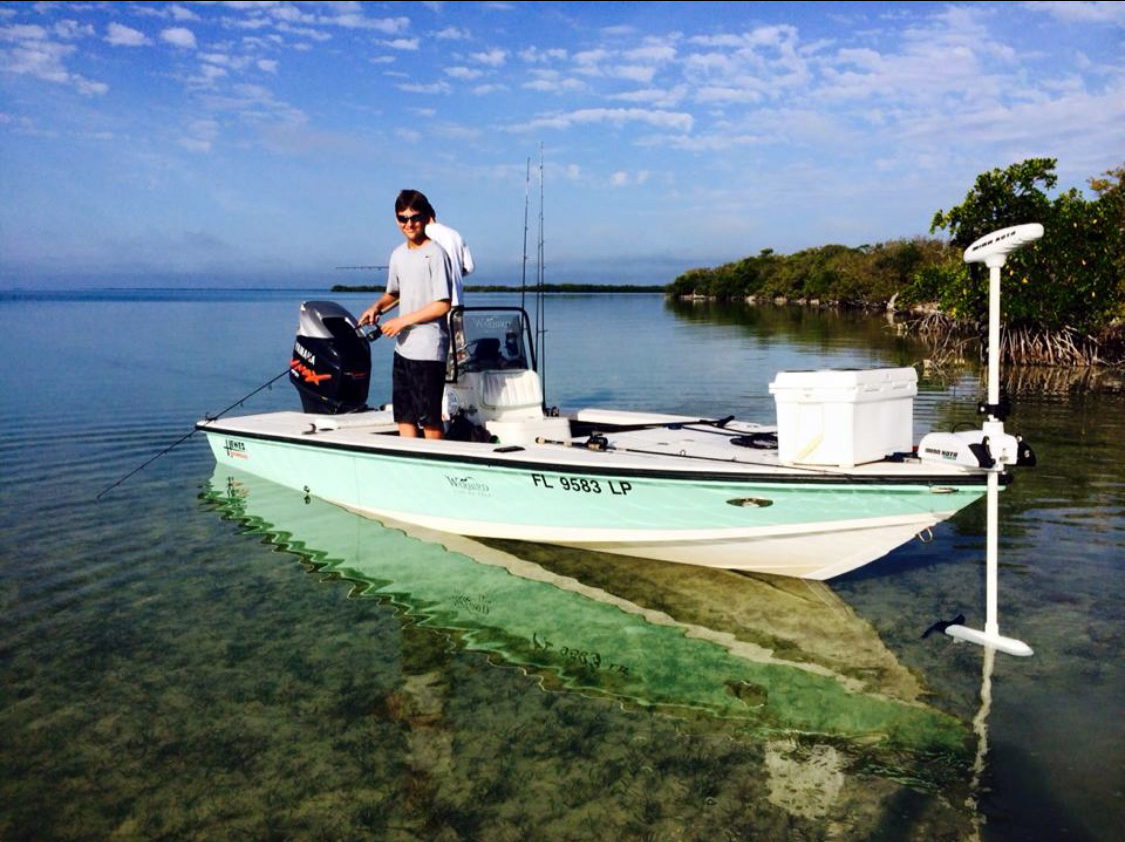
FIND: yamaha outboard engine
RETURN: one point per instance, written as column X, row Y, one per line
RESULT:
column 331, row 366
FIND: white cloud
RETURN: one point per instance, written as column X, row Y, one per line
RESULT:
column 178, row 36
column 588, row 60
column 431, row 88
column 660, row 97
column 72, row 29
column 1081, row 11
column 201, row 135
column 304, row 32
column 465, row 74
column 452, row 33
column 633, row 73
column 119, row 35
column 34, row 55
column 209, row 74
column 493, row 58
column 712, row 142
column 728, row 94
column 22, row 32
column 535, row 55
column 178, row 12
column 652, row 54
column 551, row 81
column 676, row 121
column 226, row 60
column 287, row 12
column 267, row 65
column 410, row 44
column 357, row 20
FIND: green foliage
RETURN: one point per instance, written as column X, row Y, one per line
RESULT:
column 944, row 282
column 1070, row 280
column 692, row 282
column 1110, row 189
column 868, row 275
column 999, row 199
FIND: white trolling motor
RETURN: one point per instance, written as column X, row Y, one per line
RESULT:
column 990, row 447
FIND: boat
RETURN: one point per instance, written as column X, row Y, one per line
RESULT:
column 832, row 483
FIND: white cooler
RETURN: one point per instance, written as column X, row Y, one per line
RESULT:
column 844, row 417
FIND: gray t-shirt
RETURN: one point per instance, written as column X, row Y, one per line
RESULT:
column 421, row 276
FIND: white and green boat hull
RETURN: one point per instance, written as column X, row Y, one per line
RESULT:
column 813, row 524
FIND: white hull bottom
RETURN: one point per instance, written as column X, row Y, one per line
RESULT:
column 807, row 551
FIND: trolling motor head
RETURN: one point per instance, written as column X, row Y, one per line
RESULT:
column 993, row 249
column 331, row 365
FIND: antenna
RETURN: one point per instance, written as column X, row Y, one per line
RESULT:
column 992, row 250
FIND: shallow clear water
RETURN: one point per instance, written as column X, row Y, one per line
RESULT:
column 196, row 655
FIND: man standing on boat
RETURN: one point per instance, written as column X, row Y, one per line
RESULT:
column 420, row 280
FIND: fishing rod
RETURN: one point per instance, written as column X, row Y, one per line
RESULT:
column 526, row 201
column 720, row 423
column 370, row 337
column 184, row 438
column 541, row 273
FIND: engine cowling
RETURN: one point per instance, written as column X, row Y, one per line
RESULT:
column 331, row 365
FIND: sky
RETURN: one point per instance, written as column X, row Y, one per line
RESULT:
column 263, row 143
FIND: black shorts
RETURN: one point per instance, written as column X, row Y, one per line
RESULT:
column 417, row 387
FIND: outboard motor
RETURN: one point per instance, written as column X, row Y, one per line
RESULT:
column 331, row 367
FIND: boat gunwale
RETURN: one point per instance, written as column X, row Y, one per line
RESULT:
column 780, row 475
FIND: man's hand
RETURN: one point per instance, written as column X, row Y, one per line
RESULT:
column 393, row 327
column 370, row 315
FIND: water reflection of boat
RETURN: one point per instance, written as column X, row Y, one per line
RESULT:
column 785, row 656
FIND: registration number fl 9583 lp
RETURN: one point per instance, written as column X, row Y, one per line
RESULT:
column 581, row 485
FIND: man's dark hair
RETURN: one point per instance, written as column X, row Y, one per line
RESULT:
column 415, row 200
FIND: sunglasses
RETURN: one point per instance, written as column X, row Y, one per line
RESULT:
column 406, row 220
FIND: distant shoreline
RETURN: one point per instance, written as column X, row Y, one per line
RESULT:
column 604, row 288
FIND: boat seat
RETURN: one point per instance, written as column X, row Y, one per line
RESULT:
column 511, row 393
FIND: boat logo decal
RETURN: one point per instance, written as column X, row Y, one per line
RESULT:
column 234, row 448
column 469, row 485
column 307, row 373
column 304, row 352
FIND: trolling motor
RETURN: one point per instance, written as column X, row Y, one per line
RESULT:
column 331, row 366
column 1000, row 448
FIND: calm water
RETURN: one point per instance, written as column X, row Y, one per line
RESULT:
column 201, row 656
